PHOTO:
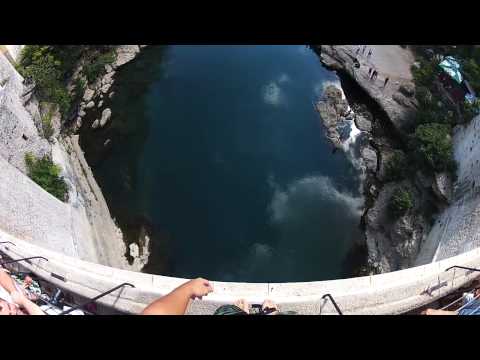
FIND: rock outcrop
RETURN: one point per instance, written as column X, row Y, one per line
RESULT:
column 393, row 243
column 399, row 109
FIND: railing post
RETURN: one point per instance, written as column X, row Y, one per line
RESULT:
column 95, row 298
column 2, row 263
column 330, row 297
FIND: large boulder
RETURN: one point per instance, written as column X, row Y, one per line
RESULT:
column 88, row 95
column 108, row 78
column 125, row 53
column 106, row 114
column 443, row 187
column 333, row 109
column 369, row 156
column 105, row 88
column 363, row 123
column 407, row 89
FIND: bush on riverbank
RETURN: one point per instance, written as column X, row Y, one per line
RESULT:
column 47, row 123
column 50, row 68
column 400, row 202
column 46, row 173
column 39, row 64
column 397, row 168
column 432, row 144
column 96, row 67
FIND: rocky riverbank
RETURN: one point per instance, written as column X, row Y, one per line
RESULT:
column 94, row 101
column 393, row 242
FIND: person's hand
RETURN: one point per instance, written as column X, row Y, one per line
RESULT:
column 199, row 288
column 8, row 309
column 18, row 298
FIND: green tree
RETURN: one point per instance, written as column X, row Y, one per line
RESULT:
column 433, row 146
column 397, row 168
column 46, row 173
column 400, row 202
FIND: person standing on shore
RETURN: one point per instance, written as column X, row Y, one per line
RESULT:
column 386, row 81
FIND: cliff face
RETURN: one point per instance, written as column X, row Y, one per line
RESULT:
column 410, row 240
column 457, row 229
column 81, row 228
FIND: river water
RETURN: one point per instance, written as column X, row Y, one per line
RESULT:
column 218, row 153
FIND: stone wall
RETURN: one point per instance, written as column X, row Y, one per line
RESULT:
column 393, row 293
column 18, row 130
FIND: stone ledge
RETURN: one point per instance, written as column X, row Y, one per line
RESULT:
column 392, row 293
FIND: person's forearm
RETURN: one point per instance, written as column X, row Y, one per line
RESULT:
column 31, row 308
column 175, row 303
column 7, row 282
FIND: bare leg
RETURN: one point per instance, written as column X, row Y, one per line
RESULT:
column 271, row 305
column 243, row 304
column 439, row 312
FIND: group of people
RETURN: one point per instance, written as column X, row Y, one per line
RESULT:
column 364, row 48
column 16, row 299
column 372, row 72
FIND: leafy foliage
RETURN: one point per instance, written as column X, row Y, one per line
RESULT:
column 46, row 173
column 97, row 66
column 425, row 73
column 47, row 124
column 39, row 64
column 433, row 146
column 51, row 66
column 400, row 202
column 397, row 167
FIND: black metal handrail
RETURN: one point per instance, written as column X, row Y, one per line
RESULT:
column 330, row 297
column 7, row 242
column 2, row 263
column 95, row 298
column 463, row 267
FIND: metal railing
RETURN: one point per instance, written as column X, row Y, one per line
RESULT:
column 462, row 267
column 330, row 297
column 91, row 301
column 27, row 259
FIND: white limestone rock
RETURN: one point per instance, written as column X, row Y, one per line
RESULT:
column 369, row 156
column 105, row 88
column 363, row 123
column 106, row 114
column 442, row 186
column 134, row 250
column 125, row 53
column 88, row 95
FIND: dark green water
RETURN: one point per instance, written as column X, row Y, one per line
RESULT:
column 218, row 152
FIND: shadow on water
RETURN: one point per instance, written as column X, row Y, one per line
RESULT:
column 121, row 141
